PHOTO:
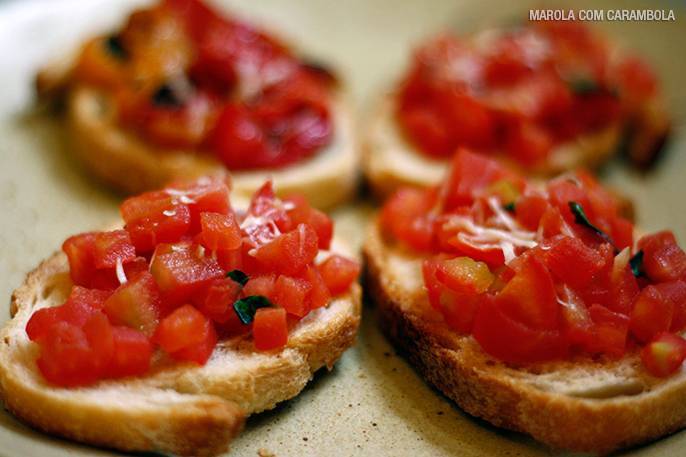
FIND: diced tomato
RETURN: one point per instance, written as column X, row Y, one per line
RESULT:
column 338, row 273
column 551, row 222
column 674, row 292
column 41, row 321
column 664, row 355
column 181, row 274
column 270, row 329
column 230, row 259
column 652, row 314
column 458, row 308
column 468, row 174
column 220, row 231
column 204, row 195
column 238, row 138
column 108, row 247
column 623, row 285
column 219, row 299
column 403, row 215
column 80, row 254
column 529, row 210
column 610, row 331
column 463, row 274
column 290, row 294
column 493, row 256
column 66, row 357
column 511, row 340
column 319, row 293
column 622, row 233
column 663, row 259
column 132, row 353
column 578, row 323
column 199, row 352
column 530, row 297
column 260, row 285
column 135, row 304
column 154, row 217
column 302, row 213
column 529, row 144
column 562, row 191
column 184, row 327
column 290, row 252
column 572, row 262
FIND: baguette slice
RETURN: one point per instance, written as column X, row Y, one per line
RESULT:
column 584, row 404
column 178, row 409
column 391, row 161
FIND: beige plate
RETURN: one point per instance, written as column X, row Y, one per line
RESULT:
column 372, row 403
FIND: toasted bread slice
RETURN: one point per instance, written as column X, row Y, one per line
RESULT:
column 584, row 404
column 180, row 409
column 390, row 161
column 128, row 163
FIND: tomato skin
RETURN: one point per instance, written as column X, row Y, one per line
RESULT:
column 512, row 341
column 112, row 246
column 270, row 329
column 401, row 216
column 319, row 295
column 339, row 273
column 132, row 353
column 291, row 293
column 154, row 217
column 463, row 274
column 184, row 327
column 217, row 302
column 652, row 314
column 529, row 210
column 574, row 263
column 201, row 351
column 674, row 292
column 470, row 173
column 610, row 331
column 529, row 297
column 663, row 259
column 220, row 231
column 664, row 354
column 135, row 304
column 622, row 233
column 260, row 285
column 181, row 274
column 290, row 252
column 302, row 213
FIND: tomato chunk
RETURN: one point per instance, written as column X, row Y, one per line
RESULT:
column 574, row 263
column 219, row 299
column 291, row 293
column 135, row 304
column 220, row 231
column 204, row 195
column 664, row 355
column 270, row 329
column 132, row 353
column 110, row 247
column 290, row 252
column 260, row 285
column 303, row 213
column 652, row 314
column 201, row 351
column 339, row 273
column 404, row 216
column 674, row 292
column 319, row 293
column 610, row 331
column 184, row 327
column 155, row 217
column 463, row 274
column 663, row 259
column 181, row 274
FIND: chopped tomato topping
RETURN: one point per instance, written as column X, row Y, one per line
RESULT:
column 339, row 273
column 270, row 329
column 652, row 314
column 664, row 355
column 663, row 259
column 290, row 252
column 132, row 353
column 220, row 231
column 135, row 304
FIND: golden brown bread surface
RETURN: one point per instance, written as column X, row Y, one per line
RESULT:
column 390, row 161
column 581, row 404
column 179, row 409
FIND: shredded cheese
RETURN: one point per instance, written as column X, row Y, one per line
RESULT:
column 483, row 238
column 121, row 275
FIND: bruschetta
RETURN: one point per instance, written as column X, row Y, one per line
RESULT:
column 180, row 91
column 533, row 306
column 164, row 335
column 544, row 97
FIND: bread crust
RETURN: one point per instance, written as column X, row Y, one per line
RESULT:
column 589, row 405
column 390, row 161
column 179, row 409
column 126, row 162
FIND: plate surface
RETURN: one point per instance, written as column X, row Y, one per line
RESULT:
column 372, row 403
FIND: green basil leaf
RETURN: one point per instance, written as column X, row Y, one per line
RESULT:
column 509, row 207
column 581, row 219
column 247, row 307
column 115, row 47
column 583, row 86
column 636, row 264
column 238, row 276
